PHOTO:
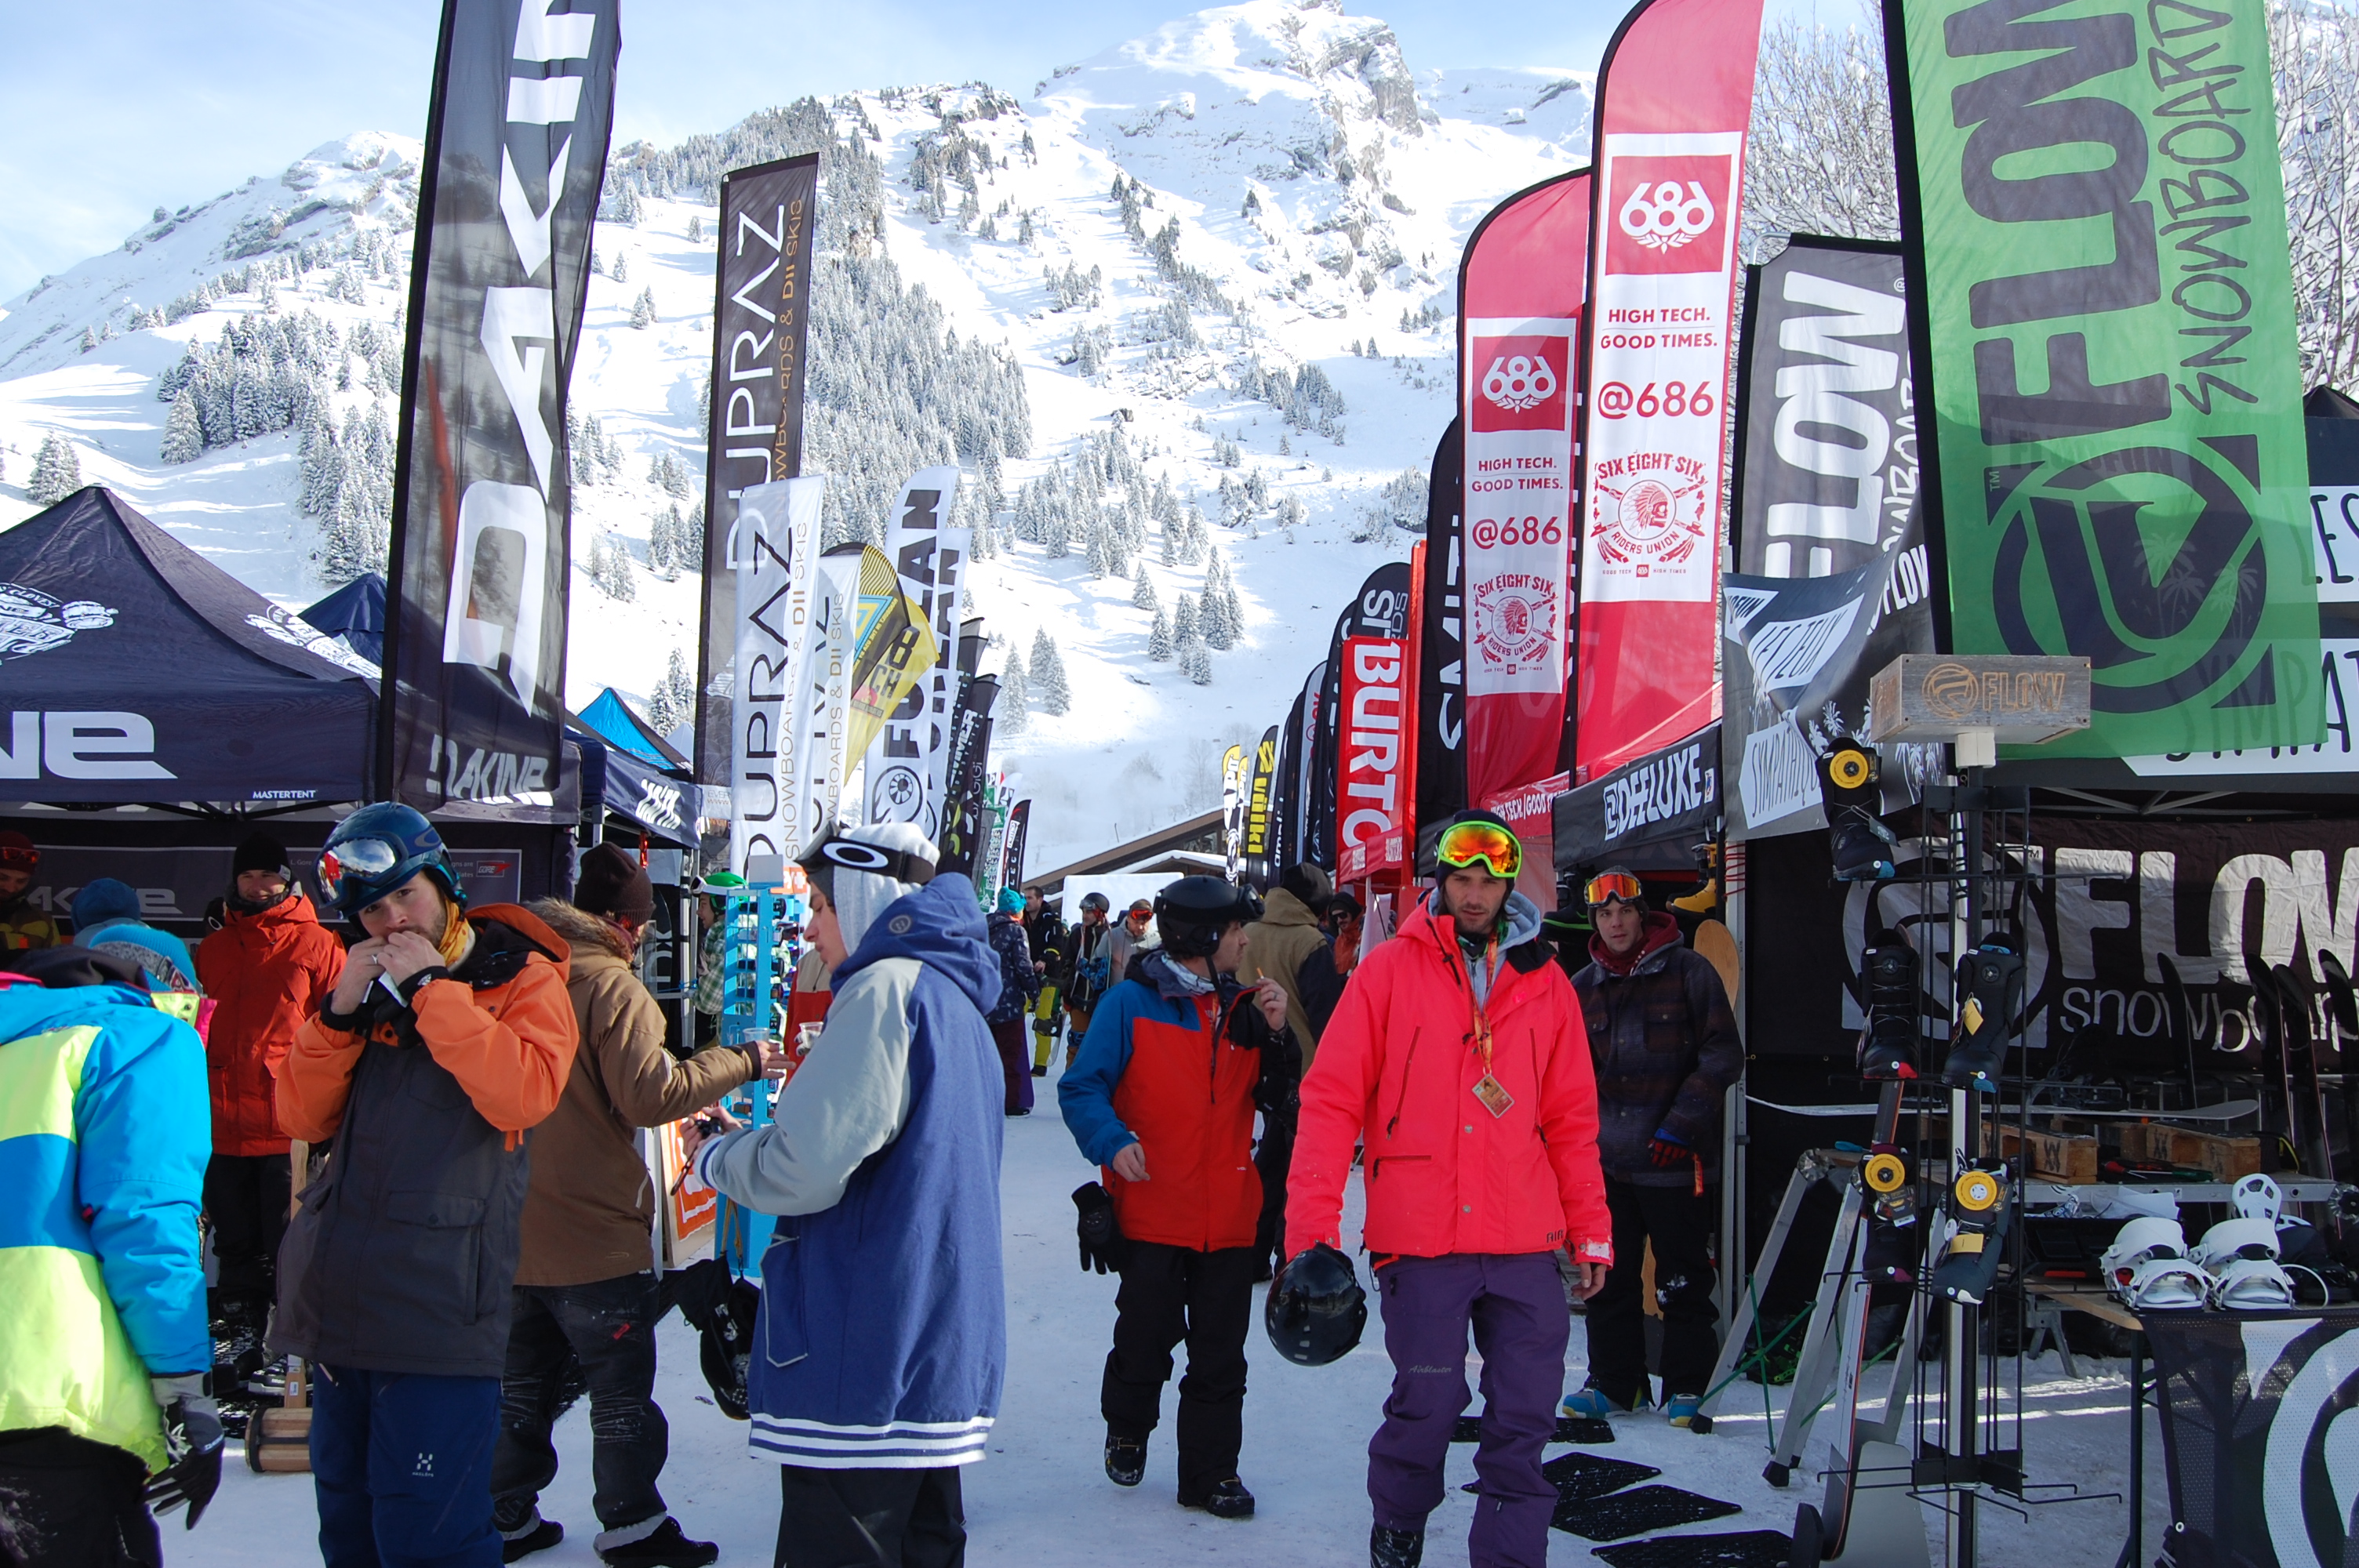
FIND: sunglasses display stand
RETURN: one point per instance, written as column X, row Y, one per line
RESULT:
column 759, row 963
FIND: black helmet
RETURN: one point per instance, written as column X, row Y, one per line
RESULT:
column 1096, row 901
column 1193, row 911
column 1316, row 1309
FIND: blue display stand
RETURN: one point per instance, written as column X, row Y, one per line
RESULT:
column 756, row 959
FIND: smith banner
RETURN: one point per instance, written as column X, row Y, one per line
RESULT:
column 2105, row 329
column 909, row 768
column 1519, row 324
column 761, row 321
column 777, row 580
column 516, row 151
column 1440, row 629
column 1674, row 97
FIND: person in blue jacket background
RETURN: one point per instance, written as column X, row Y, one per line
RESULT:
column 1019, row 985
column 106, row 1126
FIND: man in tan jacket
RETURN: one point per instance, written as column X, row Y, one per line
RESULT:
column 586, row 1297
column 1275, row 944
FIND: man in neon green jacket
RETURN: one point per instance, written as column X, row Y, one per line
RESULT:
column 103, row 1350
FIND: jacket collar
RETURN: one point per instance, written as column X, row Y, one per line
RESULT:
column 1661, row 931
column 1282, row 908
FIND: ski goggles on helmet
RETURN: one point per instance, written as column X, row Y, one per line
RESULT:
column 354, row 866
column 1610, row 886
column 1466, row 844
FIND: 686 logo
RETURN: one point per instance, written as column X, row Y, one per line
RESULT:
column 1519, row 381
column 1491, row 533
column 1662, row 217
column 1670, row 398
column 1669, row 212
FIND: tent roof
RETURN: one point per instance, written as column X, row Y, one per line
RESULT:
column 358, row 606
column 615, row 719
column 137, row 670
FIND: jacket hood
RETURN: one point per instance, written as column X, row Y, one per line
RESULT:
column 1660, row 931
column 941, row 926
column 1520, row 920
column 71, row 969
column 74, row 986
column 527, row 928
column 1282, row 908
column 295, row 909
column 585, row 935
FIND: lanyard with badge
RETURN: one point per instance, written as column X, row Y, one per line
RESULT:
column 1490, row 1090
column 1489, row 843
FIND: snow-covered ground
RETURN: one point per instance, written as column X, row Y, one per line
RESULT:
column 1041, row 1500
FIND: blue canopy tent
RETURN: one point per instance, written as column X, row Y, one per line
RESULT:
column 615, row 719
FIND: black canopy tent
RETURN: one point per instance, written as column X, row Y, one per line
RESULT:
column 356, row 612
column 137, row 670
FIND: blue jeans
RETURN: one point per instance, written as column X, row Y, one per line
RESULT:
column 402, row 1465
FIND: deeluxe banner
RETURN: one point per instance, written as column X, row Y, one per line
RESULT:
column 477, row 566
column 761, row 324
column 1519, row 292
column 907, row 770
column 777, row 528
column 1832, row 580
column 2104, row 312
column 1674, row 98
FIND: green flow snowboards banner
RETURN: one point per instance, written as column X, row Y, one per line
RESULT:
column 2103, row 314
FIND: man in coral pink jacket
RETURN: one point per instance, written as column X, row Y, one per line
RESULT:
column 1457, row 1056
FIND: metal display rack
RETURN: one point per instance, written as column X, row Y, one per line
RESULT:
column 757, row 958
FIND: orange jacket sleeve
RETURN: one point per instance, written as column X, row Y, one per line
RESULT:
column 513, row 1061
column 314, row 1078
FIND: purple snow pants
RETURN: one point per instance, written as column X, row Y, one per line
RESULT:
column 1515, row 1305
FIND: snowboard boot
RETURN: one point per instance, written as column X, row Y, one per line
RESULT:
column 1894, row 1237
column 1126, row 1460
column 1395, row 1548
column 1888, row 1050
column 1863, row 848
column 1227, row 1500
column 1979, row 1205
column 536, row 1534
column 1589, row 1402
column 666, row 1546
column 1990, row 979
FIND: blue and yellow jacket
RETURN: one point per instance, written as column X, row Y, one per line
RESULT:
column 104, row 1133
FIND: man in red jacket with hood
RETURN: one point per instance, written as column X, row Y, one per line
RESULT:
column 270, row 966
column 1457, row 1056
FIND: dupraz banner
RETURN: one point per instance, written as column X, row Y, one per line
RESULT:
column 777, row 529
column 2104, row 308
column 516, row 152
column 1832, row 582
column 761, row 324
column 909, row 768
column 1674, row 97
column 1519, row 330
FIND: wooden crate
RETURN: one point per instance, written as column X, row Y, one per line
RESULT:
column 2058, row 1156
column 2159, row 1143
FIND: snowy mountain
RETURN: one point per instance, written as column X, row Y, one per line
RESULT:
column 1216, row 263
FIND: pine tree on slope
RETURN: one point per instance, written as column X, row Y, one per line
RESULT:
column 1142, row 592
column 1011, row 715
column 1158, row 638
column 57, row 472
column 184, row 437
column 1049, row 669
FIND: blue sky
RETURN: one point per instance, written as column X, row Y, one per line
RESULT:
column 117, row 106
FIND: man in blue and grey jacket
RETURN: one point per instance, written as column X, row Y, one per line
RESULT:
column 883, row 1337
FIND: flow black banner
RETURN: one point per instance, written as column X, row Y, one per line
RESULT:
column 761, row 328
column 516, row 152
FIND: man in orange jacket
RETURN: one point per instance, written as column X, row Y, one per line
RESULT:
column 1458, row 1057
column 448, row 1036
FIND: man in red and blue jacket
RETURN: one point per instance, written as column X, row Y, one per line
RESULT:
column 1457, row 1056
column 1178, row 1057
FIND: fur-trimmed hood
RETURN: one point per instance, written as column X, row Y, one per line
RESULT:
column 584, row 931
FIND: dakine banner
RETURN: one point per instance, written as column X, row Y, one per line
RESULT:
column 761, row 323
column 909, row 767
column 1674, row 97
column 2104, row 308
column 777, row 531
column 516, row 152
column 1519, row 328
column 1830, row 536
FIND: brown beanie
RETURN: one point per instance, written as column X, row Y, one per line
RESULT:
column 612, row 883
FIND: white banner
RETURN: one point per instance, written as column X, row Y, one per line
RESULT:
column 822, row 706
column 908, row 770
column 772, row 548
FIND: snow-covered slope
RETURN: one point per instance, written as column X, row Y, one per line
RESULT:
column 1319, row 189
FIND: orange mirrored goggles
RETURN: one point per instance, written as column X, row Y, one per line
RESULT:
column 1464, row 844
column 1612, row 885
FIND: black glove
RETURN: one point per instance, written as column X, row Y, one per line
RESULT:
column 1101, row 1239
column 193, row 1446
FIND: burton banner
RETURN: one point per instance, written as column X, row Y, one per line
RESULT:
column 2105, row 332
column 1375, row 792
column 1674, row 97
column 480, row 545
column 777, row 533
column 1442, row 640
column 761, row 322
column 1261, row 774
column 1826, row 495
column 1519, row 293
column 1380, row 610
column 909, row 768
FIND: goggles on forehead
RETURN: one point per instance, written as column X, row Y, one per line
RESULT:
column 19, row 857
column 1610, row 886
column 1465, row 844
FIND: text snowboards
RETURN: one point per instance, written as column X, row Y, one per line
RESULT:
column 1674, row 97
column 1519, row 303
column 909, row 768
column 2104, row 302
column 1826, row 492
column 761, row 325
column 774, row 536
column 477, row 566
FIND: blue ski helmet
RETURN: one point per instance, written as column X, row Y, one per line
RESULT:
column 378, row 849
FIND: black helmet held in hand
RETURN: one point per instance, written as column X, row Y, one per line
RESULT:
column 1316, row 1309
column 1193, row 911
